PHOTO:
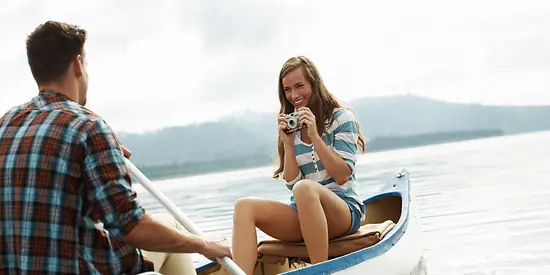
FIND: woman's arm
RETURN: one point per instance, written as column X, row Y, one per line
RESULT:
column 335, row 166
column 291, row 172
column 340, row 163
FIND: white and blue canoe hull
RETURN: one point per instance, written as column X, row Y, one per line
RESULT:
column 400, row 252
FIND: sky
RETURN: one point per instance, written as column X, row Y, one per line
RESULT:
column 154, row 64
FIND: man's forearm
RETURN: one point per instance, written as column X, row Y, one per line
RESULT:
column 151, row 235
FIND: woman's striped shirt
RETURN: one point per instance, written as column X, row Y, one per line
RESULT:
column 342, row 137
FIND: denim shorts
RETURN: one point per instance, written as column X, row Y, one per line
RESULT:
column 355, row 216
column 355, row 220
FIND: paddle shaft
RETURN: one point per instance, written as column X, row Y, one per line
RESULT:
column 226, row 262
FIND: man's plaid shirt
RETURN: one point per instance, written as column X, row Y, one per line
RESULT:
column 61, row 173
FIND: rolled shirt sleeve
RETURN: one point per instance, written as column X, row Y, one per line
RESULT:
column 108, row 183
column 346, row 136
column 290, row 184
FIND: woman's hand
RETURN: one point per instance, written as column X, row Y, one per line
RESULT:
column 305, row 116
column 288, row 139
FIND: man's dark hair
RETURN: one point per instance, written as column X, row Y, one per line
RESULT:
column 51, row 48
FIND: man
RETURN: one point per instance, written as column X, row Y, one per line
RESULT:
column 67, row 206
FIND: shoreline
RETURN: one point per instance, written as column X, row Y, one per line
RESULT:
column 167, row 172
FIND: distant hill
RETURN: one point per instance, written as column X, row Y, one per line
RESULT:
column 252, row 136
column 264, row 158
column 406, row 115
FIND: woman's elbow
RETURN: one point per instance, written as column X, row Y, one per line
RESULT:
column 343, row 176
column 342, row 180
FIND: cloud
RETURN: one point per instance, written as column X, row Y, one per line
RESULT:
column 236, row 25
column 162, row 63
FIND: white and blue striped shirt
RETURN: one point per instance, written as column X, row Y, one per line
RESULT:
column 342, row 137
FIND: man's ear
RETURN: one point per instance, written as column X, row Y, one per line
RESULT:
column 78, row 65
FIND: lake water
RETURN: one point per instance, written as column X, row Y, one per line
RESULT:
column 484, row 204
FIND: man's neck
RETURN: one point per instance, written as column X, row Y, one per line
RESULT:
column 70, row 93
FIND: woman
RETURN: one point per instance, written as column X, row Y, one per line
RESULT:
column 317, row 163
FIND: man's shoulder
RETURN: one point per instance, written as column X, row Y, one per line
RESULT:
column 65, row 114
column 80, row 115
column 75, row 117
column 15, row 109
column 74, row 109
column 86, row 114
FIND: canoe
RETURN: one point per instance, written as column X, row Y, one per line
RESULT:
column 389, row 241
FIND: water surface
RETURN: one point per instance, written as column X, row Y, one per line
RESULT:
column 484, row 204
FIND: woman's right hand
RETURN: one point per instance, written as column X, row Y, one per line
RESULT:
column 288, row 139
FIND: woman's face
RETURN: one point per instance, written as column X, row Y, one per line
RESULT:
column 297, row 88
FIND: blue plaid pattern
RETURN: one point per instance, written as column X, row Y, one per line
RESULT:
column 61, row 173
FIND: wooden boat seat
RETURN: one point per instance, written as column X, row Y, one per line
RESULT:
column 276, row 251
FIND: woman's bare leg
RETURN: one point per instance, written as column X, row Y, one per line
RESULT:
column 322, row 215
column 276, row 219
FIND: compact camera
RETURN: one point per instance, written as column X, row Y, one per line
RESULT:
column 292, row 122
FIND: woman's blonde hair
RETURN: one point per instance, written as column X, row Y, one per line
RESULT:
column 321, row 102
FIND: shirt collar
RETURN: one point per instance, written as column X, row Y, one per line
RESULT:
column 52, row 93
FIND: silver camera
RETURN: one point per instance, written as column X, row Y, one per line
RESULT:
column 292, row 122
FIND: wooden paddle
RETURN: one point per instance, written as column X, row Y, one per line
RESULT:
column 226, row 262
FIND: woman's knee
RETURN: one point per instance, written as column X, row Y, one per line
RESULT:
column 304, row 189
column 244, row 207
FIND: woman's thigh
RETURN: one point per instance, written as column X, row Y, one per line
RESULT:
column 274, row 218
column 337, row 211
